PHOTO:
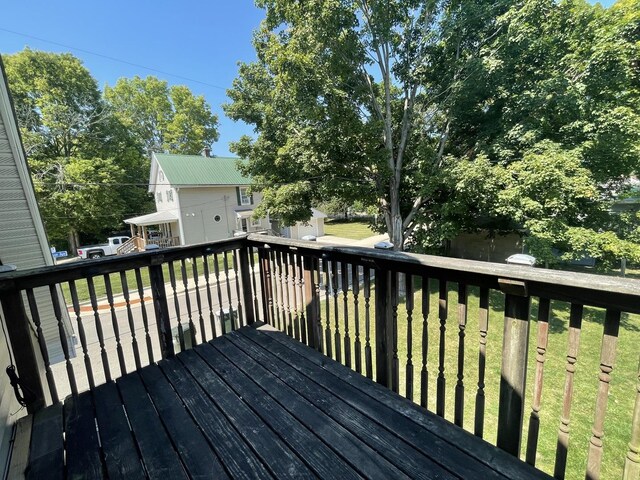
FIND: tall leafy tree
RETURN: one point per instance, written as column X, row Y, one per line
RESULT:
column 88, row 171
column 357, row 99
column 163, row 118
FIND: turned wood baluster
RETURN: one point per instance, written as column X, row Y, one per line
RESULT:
column 187, row 299
column 293, row 287
column 441, row 381
column 98, row 324
column 345, row 308
column 280, row 311
column 216, row 273
column 236, row 270
column 395, row 361
column 632, row 461
column 424, row 372
column 35, row 316
column 607, row 359
column 196, row 286
column 289, row 282
column 409, row 306
column 57, row 311
column 336, row 310
column 458, row 416
column 306, row 334
column 145, row 318
column 327, row 303
column 316, row 275
column 232, row 313
column 575, row 325
column 114, row 324
column 176, row 303
column 81, row 332
column 541, row 355
column 254, row 291
column 355, row 288
column 132, row 326
column 368, row 361
column 483, row 327
column 212, row 317
column 266, row 285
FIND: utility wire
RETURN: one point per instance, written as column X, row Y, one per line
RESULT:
column 113, row 59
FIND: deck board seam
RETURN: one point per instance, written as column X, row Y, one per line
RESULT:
column 400, row 464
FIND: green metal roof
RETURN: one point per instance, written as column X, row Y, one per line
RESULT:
column 199, row 170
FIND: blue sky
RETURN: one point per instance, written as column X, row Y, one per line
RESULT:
column 193, row 43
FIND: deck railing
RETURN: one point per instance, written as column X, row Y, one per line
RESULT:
column 404, row 320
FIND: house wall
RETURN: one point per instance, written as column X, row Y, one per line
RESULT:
column 199, row 206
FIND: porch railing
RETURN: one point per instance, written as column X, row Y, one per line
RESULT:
column 402, row 319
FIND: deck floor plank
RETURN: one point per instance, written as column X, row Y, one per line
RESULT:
column 118, row 446
column 362, row 457
column 463, row 440
column 20, row 452
column 320, row 458
column 46, row 454
column 82, row 446
column 282, row 462
column 235, row 454
column 253, row 404
column 158, row 455
column 199, row 459
column 393, row 448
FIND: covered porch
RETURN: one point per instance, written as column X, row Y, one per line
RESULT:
column 166, row 233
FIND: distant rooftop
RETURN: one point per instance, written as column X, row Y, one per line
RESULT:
column 200, row 170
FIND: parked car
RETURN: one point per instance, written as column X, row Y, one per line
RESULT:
column 102, row 250
column 522, row 259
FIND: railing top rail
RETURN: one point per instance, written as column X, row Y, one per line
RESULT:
column 42, row 276
column 588, row 289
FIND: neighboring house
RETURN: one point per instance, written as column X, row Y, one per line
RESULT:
column 23, row 243
column 315, row 226
column 202, row 199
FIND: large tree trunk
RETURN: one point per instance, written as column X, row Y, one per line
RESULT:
column 74, row 241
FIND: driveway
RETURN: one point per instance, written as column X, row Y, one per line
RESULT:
column 365, row 242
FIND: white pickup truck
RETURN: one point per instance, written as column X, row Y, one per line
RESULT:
column 102, row 250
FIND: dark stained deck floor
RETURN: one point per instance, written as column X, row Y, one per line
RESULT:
column 254, row 404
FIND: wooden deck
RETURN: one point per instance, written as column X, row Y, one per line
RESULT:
column 251, row 404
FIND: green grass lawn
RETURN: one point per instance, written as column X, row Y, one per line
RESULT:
column 354, row 229
column 622, row 389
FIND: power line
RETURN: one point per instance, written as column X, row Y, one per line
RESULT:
column 113, row 59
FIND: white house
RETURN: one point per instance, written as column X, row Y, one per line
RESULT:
column 201, row 199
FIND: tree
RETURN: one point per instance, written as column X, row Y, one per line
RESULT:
column 57, row 101
column 78, row 195
column 88, row 171
column 356, row 100
column 163, row 118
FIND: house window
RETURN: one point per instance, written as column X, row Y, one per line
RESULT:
column 161, row 176
column 159, row 197
column 245, row 198
column 170, row 195
column 256, row 222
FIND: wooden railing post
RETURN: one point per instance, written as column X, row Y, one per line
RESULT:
column 632, row 461
column 383, row 330
column 245, row 275
column 265, row 284
column 515, row 348
column 312, row 302
column 161, row 308
column 23, row 348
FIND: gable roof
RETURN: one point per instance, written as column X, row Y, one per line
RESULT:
column 198, row 170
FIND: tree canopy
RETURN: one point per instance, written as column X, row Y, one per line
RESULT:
column 88, row 152
column 163, row 118
column 447, row 115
